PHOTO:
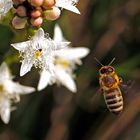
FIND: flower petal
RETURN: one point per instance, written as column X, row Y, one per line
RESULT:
column 25, row 67
column 73, row 53
column 16, row 88
column 4, row 71
column 5, row 110
column 44, row 80
column 60, row 45
column 5, row 6
column 39, row 34
column 20, row 89
column 67, row 5
column 58, row 36
column 20, row 46
column 65, row 79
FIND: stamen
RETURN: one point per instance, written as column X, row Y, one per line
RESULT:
column 37, row 53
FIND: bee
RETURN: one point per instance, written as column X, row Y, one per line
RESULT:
column 110, row 86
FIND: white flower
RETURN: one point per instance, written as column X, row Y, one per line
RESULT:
column 64, row 64
column 38, row 52
column 68, row 5
column 5, row 6
column 9, row 92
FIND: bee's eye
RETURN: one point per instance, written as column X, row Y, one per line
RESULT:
column 106, row 70
column 102, row 71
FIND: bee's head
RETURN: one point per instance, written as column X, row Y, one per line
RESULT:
column 106, row 70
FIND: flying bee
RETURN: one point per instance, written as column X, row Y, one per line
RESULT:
column 110, row 86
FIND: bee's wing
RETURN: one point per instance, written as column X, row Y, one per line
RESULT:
column 126, row 86
column 127, row 90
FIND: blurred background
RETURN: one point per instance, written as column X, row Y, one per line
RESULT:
column 109, row 28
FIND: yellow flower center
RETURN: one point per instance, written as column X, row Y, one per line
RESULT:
column 62, row 62
column 37, row 53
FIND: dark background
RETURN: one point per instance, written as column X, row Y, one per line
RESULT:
column 109, row 28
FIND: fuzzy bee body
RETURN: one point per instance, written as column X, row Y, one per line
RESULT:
column 109, row 84
column 114, row 100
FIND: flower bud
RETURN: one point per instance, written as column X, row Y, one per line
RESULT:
column 52, row 14
column 19, row 23
column 48, row 3
column 37, row 21
column 35, row 13
column 21, row 11
column 36, row 3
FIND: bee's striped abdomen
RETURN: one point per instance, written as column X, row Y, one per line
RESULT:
column 114, row 100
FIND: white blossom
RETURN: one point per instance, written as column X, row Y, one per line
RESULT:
column 64, row 63
column 5, row 6
column 9, row 92
column 68, row 5
column 38, row 52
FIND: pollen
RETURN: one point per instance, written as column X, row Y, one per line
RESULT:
column 37, row 53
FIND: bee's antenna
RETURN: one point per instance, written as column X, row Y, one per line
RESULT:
column 98, row 61
column 111, row 61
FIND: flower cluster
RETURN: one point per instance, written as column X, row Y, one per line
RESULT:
column 64, row 63
column 55, row 58
column 34, row 12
